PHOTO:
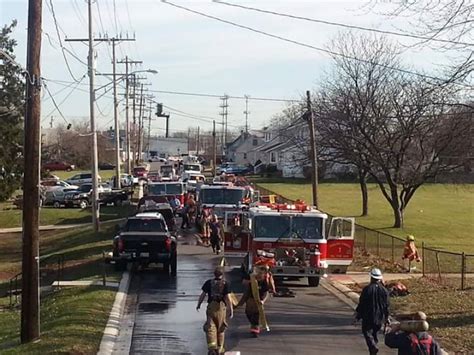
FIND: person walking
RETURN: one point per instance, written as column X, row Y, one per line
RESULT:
column 412, row 338
column 219, row 306
column 206, row 216
column 254, row 298
column 373, row 309
column 216, row 231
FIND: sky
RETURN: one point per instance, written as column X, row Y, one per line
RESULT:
column 195, row 54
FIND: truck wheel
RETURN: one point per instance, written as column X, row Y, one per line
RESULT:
column 118, row 202
column 174, row 264
column 56, row 204
column 83, row 204
column 120, row 266
column 313, row 281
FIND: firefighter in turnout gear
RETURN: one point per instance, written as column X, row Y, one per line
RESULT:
column 218, row 308
column 254, row 298
column 373, row 309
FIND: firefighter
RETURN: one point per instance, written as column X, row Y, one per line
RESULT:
column 254, row 298
column 410, row 252
column 412, row 338
column 216, row 234
column 206, row 216
column 219, row 306
column 373, row 309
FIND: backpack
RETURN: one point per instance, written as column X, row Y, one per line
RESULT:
column 217, row 288
column 421, row 345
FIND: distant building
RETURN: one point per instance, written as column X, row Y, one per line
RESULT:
column 165, row 147
column 238, row 151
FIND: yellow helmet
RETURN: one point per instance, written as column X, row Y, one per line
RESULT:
column 410, row 238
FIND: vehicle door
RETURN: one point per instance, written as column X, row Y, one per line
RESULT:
column 236, row 234
column 340, row 241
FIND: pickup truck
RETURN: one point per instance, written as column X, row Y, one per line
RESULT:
column 82, row 197
column 145, row 239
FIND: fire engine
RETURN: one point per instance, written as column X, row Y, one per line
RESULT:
column 222, row 198
column 292, row 240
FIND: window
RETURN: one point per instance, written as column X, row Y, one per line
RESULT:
column 255, row 142
column 245, row 155
column 272, row 157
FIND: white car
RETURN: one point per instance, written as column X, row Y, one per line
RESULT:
column 82, row 178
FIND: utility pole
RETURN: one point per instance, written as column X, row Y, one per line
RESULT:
column 246, row 112
column 116, row 120
column 140, row 125
column 149, row 129
column 224, row 114
column 314, row 154
column 197, row 142
column 30, row 303
column 189, row 143
column 214, row 148
column 134, row 127
column 127, row 118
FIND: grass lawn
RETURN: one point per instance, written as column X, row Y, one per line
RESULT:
column 72, row 319
column 442, row 215
column 450, row 312
column 10, row 217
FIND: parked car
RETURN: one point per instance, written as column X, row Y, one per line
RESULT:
column 238, row 170
column 82, row 178
column 58, row 165
column 125, row 180
column 51, row 184
column 56, row 197
column 220, row 169
column 106, row 166
column 82, row 197
column 145, row 239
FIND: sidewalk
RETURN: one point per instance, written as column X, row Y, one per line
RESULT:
column 360, row 277
column 59, row 226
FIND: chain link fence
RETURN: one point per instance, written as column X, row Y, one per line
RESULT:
column 447, row 268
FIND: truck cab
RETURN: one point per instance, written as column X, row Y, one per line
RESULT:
column 293, row 240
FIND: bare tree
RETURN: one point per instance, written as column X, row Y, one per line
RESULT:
column 441, row 25
column 390, row 124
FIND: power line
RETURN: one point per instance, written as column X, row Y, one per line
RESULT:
column 50, row 7
column 331, row 23
column 302, row 44
column 55, row 104
column 199, row 94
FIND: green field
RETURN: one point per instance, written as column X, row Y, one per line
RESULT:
column 442, row 215
column 72, row 319
column 11, row 217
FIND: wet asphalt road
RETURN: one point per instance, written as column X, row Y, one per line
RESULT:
column 165, row 321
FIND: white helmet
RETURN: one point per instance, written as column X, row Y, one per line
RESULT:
column 376, row 274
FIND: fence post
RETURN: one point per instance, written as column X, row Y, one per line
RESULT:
column 378, row 244
column 423, row 258
column 463, row 270
column 393, row 249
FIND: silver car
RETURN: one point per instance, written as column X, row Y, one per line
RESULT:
column 81, row 178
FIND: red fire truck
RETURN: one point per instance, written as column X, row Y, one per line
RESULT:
column 222, row 198
column 293, row 240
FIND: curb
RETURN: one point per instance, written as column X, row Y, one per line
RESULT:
column 342, row 292
column 112, row 329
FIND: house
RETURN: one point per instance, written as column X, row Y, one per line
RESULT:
column 238, row 150
column 285, row 148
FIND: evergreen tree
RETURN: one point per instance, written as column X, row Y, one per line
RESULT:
column 12, row 105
